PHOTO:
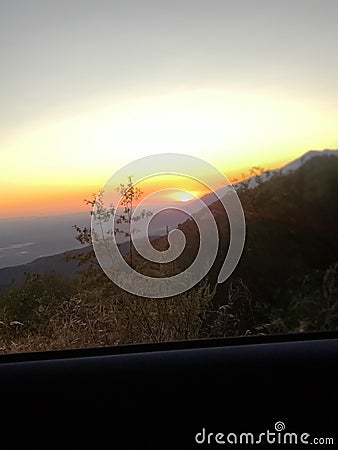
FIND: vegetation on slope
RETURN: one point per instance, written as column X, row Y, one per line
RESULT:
column 286, row 281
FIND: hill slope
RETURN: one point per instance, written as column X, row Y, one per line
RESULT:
column 292, row 232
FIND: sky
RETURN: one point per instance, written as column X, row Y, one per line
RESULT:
column 89, row 86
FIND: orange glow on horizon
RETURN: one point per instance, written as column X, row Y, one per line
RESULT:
column 51, row 165
column 39, row 199
column 34, row 201
column 185, row 186
column 42, row 200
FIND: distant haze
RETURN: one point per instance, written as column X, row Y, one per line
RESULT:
column 23, row 240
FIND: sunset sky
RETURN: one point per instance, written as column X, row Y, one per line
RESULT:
column 88, row 86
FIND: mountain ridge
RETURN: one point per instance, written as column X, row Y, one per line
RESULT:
column 253, row 180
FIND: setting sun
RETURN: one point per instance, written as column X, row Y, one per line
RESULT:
column 182, row 196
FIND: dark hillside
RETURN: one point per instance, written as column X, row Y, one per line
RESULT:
column 292, row 236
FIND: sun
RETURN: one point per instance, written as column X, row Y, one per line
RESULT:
column 183, row 196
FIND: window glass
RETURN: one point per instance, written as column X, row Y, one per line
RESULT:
column 169, row 171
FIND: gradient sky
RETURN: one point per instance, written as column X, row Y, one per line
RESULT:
column 88, row 86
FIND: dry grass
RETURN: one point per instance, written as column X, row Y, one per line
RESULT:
column 99, row 317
